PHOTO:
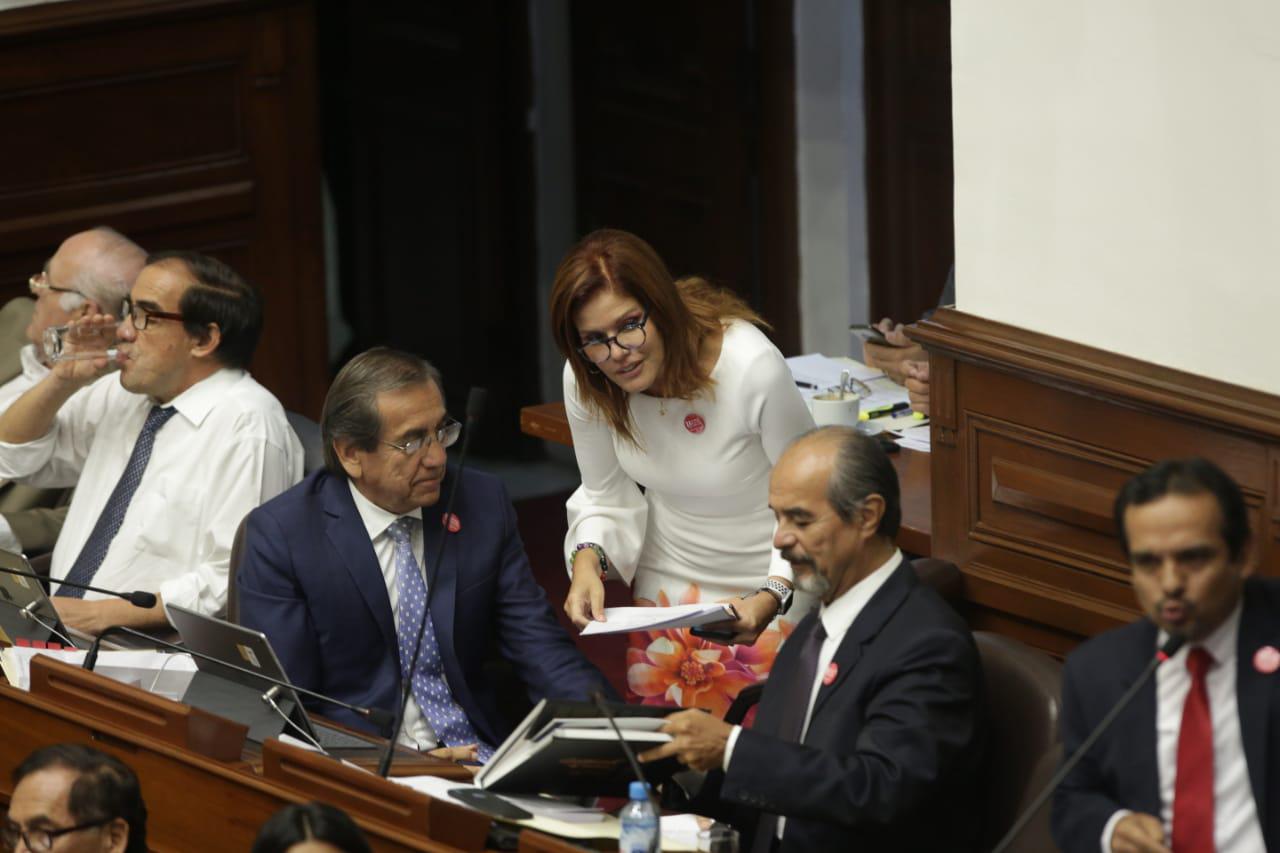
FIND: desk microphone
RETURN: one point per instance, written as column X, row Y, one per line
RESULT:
column 1168, row 650
column 475, row 405
column 597, row 696
column 377, row 716
column 31, row 613
column 137, row 598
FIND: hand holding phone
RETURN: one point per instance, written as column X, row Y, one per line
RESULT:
column 869, row 334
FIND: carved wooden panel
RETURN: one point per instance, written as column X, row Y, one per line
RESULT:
column 1045, row 433
column 186, row 126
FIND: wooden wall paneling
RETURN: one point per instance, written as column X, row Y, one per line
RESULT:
column 184, row 125
column 909, row 164
column 685, row 135
column 1045, row 433
column 429, row 161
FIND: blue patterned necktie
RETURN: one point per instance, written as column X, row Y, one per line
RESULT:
column 108, row 525
column 429, row 688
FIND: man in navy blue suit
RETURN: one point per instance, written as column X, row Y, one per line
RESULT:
column 1193, row 763
column 332, row 570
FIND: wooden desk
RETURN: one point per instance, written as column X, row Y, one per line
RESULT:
column 200, row 795
column 549, row 421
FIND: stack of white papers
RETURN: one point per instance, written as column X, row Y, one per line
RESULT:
column 815, row 373
column 618, row 620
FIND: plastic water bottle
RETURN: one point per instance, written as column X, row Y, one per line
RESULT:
column 639, row 823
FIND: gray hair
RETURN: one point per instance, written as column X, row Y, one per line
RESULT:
column 351, row 406
column 861, row 469
column 108, row 274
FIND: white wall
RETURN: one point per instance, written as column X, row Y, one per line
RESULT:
column 831, row 177
column 1118, row 176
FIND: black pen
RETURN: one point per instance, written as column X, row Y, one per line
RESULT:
column 800, row 384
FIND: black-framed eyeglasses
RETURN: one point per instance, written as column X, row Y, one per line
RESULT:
column 447, row 434
column 629, row 337
column 41, row 839
column 39, row 283
column 142, row 316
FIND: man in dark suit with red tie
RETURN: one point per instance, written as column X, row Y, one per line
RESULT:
column 869, row 731
column 1193, row 763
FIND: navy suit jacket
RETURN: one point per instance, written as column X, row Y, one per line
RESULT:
column 309, row 579
column 894, row 744
column 1121, row 771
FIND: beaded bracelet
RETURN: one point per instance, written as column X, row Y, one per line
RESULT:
column 604, row 562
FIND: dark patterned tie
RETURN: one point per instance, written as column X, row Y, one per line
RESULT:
column 432, row 694
column 108, row 525
column 791, row 725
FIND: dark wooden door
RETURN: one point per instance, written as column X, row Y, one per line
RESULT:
column 909, row 163
column 429, row 163
column 684, row 134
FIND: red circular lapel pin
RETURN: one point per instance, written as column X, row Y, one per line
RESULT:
column 829, row 676
column 1266, row 660
column 450, row 522
column 694, row 423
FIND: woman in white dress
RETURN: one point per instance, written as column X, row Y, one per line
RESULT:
column 679, row 406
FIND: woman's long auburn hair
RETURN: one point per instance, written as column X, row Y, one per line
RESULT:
column 685, row 313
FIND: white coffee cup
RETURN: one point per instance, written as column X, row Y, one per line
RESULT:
column 835, row 407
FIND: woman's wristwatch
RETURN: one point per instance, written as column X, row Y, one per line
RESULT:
column 778, row 590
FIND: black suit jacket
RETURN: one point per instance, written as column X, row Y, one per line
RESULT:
column 1121, row 771
column 894, row 743
column 310, row 580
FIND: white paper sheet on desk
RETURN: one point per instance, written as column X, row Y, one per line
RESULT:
column 606, row 826
column 620, row 619
column 916, row 438
column 823, row 372
column 141, row 668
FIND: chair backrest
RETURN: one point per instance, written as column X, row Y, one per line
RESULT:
column 233, row 566
column 944, row 577
column 308, row 432
column 1024, row 693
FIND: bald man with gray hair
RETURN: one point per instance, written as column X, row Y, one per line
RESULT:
column 90, row 273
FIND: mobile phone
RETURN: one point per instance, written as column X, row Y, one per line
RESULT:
column 869, row 334
column 713, row 635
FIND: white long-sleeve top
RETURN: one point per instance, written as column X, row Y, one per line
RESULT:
column 704, row 517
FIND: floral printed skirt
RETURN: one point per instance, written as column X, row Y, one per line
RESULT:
column 672, row 667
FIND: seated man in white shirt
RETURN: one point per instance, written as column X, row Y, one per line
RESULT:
column 169, row 454
column 90, row 273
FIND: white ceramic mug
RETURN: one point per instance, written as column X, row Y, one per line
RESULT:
column 835, row 407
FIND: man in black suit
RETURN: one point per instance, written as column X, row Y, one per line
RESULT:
column 869, row 730
column 1193, row 763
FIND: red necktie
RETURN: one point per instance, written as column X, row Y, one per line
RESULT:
column 1193, row 787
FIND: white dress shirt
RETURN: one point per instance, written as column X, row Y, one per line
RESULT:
column 227, row 450
column 32, row 372
column 416, row 731
column 837, row 617
column 1235, row 815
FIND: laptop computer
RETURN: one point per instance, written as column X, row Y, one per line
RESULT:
column 239, row 695
column 26, row 613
